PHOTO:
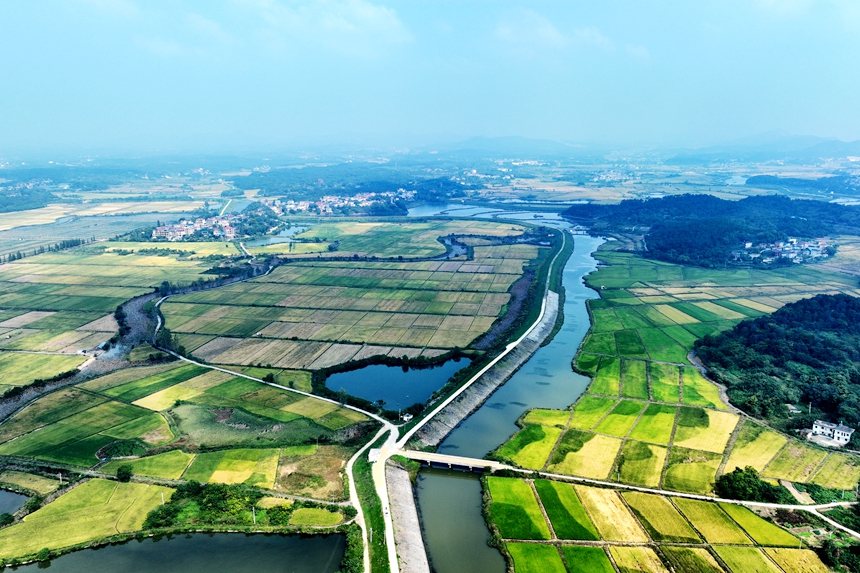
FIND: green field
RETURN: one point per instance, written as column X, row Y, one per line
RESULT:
column 656, row 424
column 600, row 343
column 531, row 446
column 39, row 484
column 660, row 518
column 587, row 559
column 637, row 559
column 699, row 391
column 691, row 471
column 20, row 369
column 252, row 467
column 589, row 410
column 93, row 510
column 746, row 560
column 665, row 382
column 641, row 463
column 547, row 417
column 315, row 517
column 712, row 522
column 762, row 532
column 565, row 511
column 608, row 377
column 535, row 558
column 755, row 447
column 515, row 510
column 619, row 421
column 634, row 380
column 168, row 465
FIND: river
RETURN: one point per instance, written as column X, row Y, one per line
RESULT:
column 205, row 553
column 450, row 502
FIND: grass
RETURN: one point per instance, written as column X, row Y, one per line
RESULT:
column 589, row 410
column 372, row 507
column 587, row 559
column 699, row 391
column 32, row 482
column 665, row 382
column 565, row 511
column 547, row 417
column 705, row 430
column 91, row 511
column 838, row 472
column 691, row 560
column 634, row 379
column 641, row 463
column 584, row 454
column 515, row 510
column 613, row 520
column 20, row 368
column 691, row 471
column 797, row 560
column 315, row 517
column 531, row 446
column 168, row 465
column 756, row 446
column 253, row 467
column 796, row 462
column 656, row 424
column 535, row 558
column 746, row 560
column 637, row 560
column 712, row 522
column 607, row 379
column 619, row 421
column 762, row 532
column 660, row 518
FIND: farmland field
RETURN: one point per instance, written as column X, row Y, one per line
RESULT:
column 515, row 510
column 637, row 559
column 795, row 462
column 315, row 517
column 589, row 410
column 641, row 463
column 41, row 485
column 587, row 559
column 534, row 558
column 691, row 471
column 169, row 465
column 762, row 532
column 691, row 560
column 838, row 472
column 95, row 509
column 706, row 430
column 565, row 511
column 797, row 560
column 613, row 520
column 531, row 446
column 619, row 421
column 746, row 560
column 660, row 518
column 755, row 447
column 712, row 522
column 656, row 424
column 584, row 454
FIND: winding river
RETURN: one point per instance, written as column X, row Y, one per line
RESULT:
column 450, row 502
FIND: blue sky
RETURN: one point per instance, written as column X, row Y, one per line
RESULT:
column 233, row 75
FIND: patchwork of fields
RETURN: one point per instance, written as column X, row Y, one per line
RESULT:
column 59, row 304
column 179, row 409
column 313, row 315
column 650, row 417
column 555, row 526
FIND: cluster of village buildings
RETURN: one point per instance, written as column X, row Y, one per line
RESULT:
column 221, row 226
column 327, row 204
column 796, row 250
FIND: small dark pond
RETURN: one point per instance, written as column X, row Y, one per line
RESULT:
column 10, row 502
column 397, row 386
column 205, row 553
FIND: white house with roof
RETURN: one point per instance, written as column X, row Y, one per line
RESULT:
column 836, row 432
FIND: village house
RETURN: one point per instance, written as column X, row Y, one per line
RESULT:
column 835, row 432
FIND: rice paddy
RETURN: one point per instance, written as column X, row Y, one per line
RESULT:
column 660, row 518
column 515, row 510
column 755, row 447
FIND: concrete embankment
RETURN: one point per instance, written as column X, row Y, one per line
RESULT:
column 470, row 400
column 411, row 554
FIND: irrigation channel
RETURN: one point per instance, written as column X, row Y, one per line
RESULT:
column 450, row 502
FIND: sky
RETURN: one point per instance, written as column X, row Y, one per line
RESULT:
column 238, row 75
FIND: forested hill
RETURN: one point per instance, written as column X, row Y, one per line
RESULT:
column 808, row 351
column 704, row 230
column 23, row 199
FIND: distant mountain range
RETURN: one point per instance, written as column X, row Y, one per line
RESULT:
column 770, row 146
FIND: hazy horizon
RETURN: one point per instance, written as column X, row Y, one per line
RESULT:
column 130, row 77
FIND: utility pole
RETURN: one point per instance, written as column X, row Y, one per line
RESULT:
column 162, row 498
column 254, row 513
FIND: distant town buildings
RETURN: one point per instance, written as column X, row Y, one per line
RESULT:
column 222, row 226
column 794, row 250
column 327, row 204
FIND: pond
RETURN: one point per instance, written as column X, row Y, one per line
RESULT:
column 205, row 553
column 284, row 236
column 10, row 502
column 397, row 386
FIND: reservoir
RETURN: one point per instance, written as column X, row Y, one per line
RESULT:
column 545, row 381
column 397, row 386
column 10, row 502
column 205, row 553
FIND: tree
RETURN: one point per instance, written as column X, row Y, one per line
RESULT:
column 124, row 473
column 745, row 484
column 43, row 555
column 6, row 519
